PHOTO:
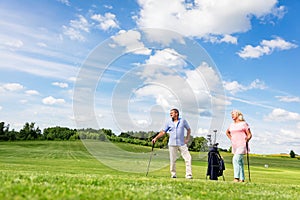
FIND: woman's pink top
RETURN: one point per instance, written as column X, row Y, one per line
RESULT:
column 238, row 137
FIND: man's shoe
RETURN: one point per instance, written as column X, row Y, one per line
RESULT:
column 173, row 176
column 189, row 176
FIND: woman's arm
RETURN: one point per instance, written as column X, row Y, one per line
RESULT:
column 228, row 134
column 248, row 135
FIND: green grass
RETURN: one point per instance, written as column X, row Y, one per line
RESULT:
column 66, row 170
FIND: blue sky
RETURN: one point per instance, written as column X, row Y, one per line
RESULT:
column 123, row 64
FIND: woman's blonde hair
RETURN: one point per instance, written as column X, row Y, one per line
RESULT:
column 240, row 114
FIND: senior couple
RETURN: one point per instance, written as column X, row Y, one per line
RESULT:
column 238, row 132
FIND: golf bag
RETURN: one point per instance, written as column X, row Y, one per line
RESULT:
column 216, row 164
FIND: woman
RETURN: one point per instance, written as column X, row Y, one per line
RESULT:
column 239, row 133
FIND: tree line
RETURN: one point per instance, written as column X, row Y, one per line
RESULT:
column 31, row 132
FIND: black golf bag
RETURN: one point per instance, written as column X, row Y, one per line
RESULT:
column 216, row 164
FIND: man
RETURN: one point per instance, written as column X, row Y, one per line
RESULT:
column 177, row 141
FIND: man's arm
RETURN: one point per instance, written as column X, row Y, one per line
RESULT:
column 161, row 133
column 188, row 136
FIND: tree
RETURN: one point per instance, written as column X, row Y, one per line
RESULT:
column 292, row 154
column 4, row 132
column 29, row 132
column 58, row 133
column 199, row 144
column 12, row 135
column 107, row 132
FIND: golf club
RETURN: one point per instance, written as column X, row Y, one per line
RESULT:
column 248, row 161
column 215, row 139
column 150, row 158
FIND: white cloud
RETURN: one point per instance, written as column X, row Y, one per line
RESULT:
column 225, row 38
column 32, row 40
column 41, row 44
column 14, row 44
column 253, row 52
column 163, row 64
column 11, row 87
column 171, row 83
column 36, row 66
column 76, row 28
column 40, row 114
column 266, row 47
column 131, row 40
column 31, row 92
column 106, row 22
column 288, row 99
column 142, row 122
column 72, row 79
column 167, row 57
column 81, row 24
column 23, row 101
column 66, row 2
column 234, row 87
column 162, row 96
column 257, row 84
column 201, row 132
column 163, row 36
column 278, row 43
column 229, row 39
column 61, row 85
column 1, row 107
column 279, row 114
column 279, row 12
column 51, row 101
column 298, row 126
column 202, row 18
column 250, row 102
column 108, row 7
column 292, row 134
column 73, row 34
column 283, row 140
